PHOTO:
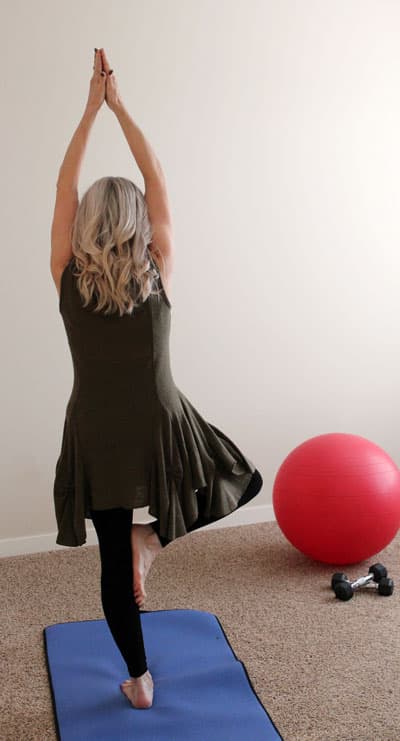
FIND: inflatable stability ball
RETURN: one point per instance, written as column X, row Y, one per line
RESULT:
column 336, row 498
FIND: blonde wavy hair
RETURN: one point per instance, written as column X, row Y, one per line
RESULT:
column 110, row 237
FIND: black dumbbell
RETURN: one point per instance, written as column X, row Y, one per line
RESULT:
column 344, row 589
column 376, row 572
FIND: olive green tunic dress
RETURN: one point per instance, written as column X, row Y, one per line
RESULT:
column 131, row 438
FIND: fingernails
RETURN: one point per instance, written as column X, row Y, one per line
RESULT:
column 95, row 49
column 111, row 71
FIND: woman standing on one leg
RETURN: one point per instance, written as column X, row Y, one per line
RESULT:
column 113, row 528
column 131, row 437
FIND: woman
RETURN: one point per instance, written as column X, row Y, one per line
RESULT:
column 131, row 438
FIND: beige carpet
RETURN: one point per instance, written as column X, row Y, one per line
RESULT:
column 325, row 670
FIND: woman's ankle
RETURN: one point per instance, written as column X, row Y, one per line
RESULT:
column 141, row 676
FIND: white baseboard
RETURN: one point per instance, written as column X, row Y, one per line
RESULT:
column 246, row 515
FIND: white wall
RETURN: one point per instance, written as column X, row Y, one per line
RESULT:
column 278, row 128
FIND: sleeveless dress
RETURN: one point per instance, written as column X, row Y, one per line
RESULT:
column 131, row 438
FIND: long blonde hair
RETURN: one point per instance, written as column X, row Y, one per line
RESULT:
column 110, row 238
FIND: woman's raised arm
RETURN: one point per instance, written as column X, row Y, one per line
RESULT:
column 141, row 149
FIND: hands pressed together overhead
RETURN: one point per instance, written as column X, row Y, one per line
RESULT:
column 103, row 85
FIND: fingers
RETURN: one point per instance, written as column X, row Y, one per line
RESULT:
column 106, row 66
column 97, row 61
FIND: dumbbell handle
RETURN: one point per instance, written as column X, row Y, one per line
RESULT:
column 362, row 581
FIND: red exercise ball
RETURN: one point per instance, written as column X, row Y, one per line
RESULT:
column 336, row 498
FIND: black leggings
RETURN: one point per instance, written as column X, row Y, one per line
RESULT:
column 113, row 528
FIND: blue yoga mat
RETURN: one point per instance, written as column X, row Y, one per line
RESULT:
column 201, row 690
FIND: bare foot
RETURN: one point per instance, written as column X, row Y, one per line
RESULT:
column 139, row 690
column 145, row 546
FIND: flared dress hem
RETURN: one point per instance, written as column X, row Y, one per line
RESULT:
column 196, row 472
